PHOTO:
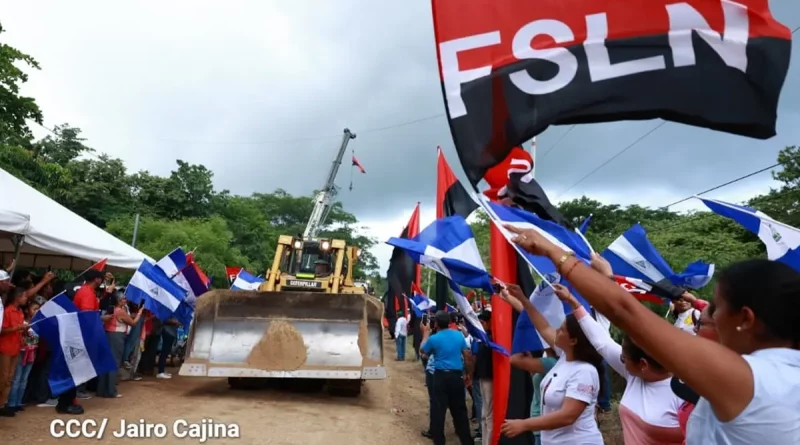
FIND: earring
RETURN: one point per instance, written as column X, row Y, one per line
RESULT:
column 738, row 329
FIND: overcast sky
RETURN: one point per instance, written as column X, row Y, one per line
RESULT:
column 259, row 91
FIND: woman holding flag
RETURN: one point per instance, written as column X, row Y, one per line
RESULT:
column 569, row 391
column 117, row 327
column 748, row 383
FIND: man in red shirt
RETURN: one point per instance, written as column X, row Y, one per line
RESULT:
column 86, row 300
column 86, row 297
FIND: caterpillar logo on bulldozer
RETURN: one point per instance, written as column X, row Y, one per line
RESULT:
column 304, row 283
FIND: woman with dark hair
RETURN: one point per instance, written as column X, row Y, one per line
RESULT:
column 649, row 408
column 748, row 383
column 703, row 327
column 116, row 327
column 569, row 391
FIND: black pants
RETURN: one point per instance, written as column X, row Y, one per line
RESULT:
column 67, row 398
column 429, row 385
column 449, row 393
column 150, row 355
column 167, row 341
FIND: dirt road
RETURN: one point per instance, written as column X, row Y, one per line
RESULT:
column 388, row 412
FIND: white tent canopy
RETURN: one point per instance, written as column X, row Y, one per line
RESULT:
column 53, row 235
column 13, row 223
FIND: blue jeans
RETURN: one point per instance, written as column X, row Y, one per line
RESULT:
column 401, row 347
column 477, row 398
column 132, row 341
column 19, row 383
column 604, row 398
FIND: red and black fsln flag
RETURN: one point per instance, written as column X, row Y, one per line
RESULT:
column 451, row 199
column 401, row 273
column 512, row 180
column 511, row 68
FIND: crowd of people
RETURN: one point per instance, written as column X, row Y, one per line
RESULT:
column 140, row 343
column 725, row 371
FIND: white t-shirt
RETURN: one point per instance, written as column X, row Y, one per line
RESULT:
column 685, row 322
column 401, row 327
column 772, row 417
column 653, row 403
column 575, row 380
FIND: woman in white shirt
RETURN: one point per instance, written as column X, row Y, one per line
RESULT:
column 749, row 382
column 569, row 391
column 649, row 408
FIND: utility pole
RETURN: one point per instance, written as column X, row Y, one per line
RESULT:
column 135, row 230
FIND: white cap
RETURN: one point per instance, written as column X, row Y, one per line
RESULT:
column 4, row 275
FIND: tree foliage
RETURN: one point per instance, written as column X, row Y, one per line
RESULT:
column 182, row 209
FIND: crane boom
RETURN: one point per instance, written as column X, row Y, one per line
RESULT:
column 325, row 197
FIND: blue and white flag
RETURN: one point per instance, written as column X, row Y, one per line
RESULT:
column 472, row 324
column 80, row 348
column 448, row 246
column 60, row 304
column 185, row 275
column 526, row 338
column 414, row 308
column 160, row 294
column 245, row 281
column 570, row 241
column 585, row 225
column 176, row 267
column 781, row 240
column 424, row 303
column 632, row 255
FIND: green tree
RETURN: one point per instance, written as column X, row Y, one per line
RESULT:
column 15, row 109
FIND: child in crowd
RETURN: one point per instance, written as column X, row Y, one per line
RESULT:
column 11, row 334
column 27, row 354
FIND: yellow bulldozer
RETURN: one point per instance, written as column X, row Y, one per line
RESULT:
column 307, row 320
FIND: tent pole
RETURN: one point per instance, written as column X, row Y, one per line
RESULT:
column 17, row 240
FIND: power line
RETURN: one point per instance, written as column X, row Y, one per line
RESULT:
column 552, row 147
column 615, row 156
column 733, row 181
column 300, row 139
column 766, row 198
column 796, row 29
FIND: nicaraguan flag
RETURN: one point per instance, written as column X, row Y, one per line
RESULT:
column 472, row 324
column 184, row 274
column 414, row 307
column 80, row 348
column 585, row 225
column 60, row 304
column 160, row 294
column 561, row 236
column 448, row 246
column 781, row 240
column 245, row 281
column 526, row 338
column 633, row 255
column 424, row 303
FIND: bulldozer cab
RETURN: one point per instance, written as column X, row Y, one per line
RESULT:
column 319, row 265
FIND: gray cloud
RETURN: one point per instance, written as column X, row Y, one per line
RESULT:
column 260, row 93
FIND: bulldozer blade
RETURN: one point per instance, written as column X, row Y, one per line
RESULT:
column 286, row 335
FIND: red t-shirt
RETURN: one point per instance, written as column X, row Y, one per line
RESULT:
column 11, row 341
column 86, row 300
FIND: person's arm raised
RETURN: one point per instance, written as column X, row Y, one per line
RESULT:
column 715, row 372
column 541, row 324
